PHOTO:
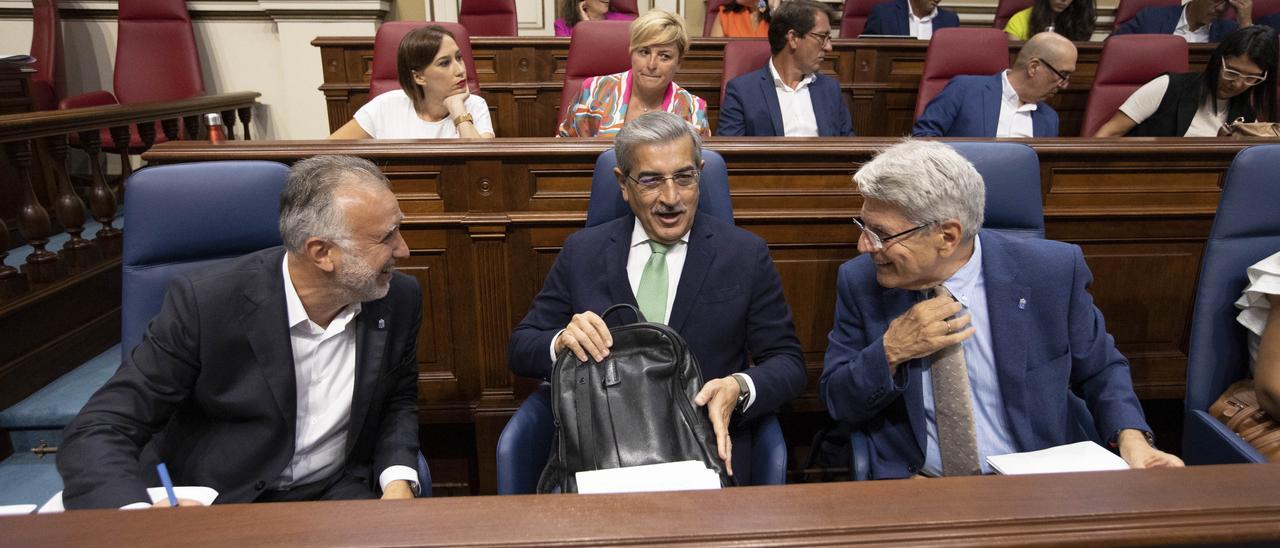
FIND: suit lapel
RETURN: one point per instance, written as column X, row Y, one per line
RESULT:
column 771, row 100
column 371, row 342
column 1006, row 311
column 266, row 320
column 615, row 263
column 991, row 106
column 697, row 262
column 896, row 303
column 900, row 24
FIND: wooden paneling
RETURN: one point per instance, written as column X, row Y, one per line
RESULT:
column 521, row 79
column 484, row 224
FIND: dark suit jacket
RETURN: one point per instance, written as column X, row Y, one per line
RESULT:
column 1272, row 21
column 729, row 306
column 210, row 391
column 892, row 19
column 1163, row 20
column 751, row 107
column 1046, row 336
column 970, row 107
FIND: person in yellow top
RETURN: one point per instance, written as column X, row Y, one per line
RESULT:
column 1073, row 19
column 744, row 19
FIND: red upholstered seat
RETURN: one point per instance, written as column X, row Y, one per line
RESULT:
column 383, row 77
column 45, row 41
column 623, row 6
column 1128, row 9
column 955, row 51
column 488, row 17
column 1127, row 62
column 1005, row 9
column 1263, row 8
column 855, row 16
column 741, row 57
column 713, row 9
column 597, row 48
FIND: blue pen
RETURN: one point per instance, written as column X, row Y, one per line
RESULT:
column 168, row 483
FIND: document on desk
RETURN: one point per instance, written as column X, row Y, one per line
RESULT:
column 200, row 494
column 672, row 476
column 1085, row 456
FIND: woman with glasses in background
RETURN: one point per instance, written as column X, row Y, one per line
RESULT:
column 1237, row 83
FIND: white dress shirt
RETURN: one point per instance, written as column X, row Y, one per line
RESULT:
column 1015, row 117
column 1146, row 100
column 1199, row 36
column 798, row 119
column 920, row 27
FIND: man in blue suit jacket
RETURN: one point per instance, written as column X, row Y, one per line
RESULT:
column 754, row 103
column 722, row 293
column 1018, row 308
column 1199, row 21
column 1007, row 104
column 894, row 18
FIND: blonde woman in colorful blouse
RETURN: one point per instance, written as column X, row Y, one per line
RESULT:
column 659, row 43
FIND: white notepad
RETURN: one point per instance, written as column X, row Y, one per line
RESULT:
column 1085, row 456
column 203, row 495
column 671, row 476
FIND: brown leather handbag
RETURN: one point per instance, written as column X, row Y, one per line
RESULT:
column 1241, row 128
column 1238, row 409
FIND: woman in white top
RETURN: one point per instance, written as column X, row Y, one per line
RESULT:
column 1260, row 314
column 1238, row 82
column 433, row 101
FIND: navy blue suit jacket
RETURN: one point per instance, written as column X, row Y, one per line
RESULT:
column 751, row 107
column 1046, row 335
column 970, row 107
column 891, row 19
column 1163, row 20
column 1272, row 21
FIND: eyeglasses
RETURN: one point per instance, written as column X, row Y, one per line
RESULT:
column 1063, row 77
column 1249, row 79
column 879, row 243
column 680, row 178
column 823, row 39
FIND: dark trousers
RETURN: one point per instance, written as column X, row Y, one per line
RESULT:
column 340, row 486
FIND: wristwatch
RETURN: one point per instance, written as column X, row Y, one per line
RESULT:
column 459, row 120
column 744, row 391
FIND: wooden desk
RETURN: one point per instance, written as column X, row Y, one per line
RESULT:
column 1210, row 505
column 484, row 224
column 521, row 79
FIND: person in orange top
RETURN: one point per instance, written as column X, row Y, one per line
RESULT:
column 744, row 19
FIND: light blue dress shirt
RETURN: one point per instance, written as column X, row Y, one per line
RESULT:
column 989, row 417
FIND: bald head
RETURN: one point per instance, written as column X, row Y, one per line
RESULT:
column 1043, row 67
column 1050, row 46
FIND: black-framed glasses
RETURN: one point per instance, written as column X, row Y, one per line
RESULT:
column 823, row 39
column 879, row 243
column 688, row 177
column 1249, row 80
column 1063, row 78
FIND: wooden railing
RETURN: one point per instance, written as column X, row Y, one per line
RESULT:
column 60, row 307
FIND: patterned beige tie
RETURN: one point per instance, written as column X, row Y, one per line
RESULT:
column 953, row 409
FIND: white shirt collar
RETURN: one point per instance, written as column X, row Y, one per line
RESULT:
column 1184, row 27
column 639, row 236
column 1010, row 95
column 924, row 19
column 778, row 83
column 298, row 313
column 964, row 279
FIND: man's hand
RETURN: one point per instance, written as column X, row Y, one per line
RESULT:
column 1135, row 451
column 586, row 334
column 1244, row 12
column 398, row 489
column 925, row 329
column 720, row 396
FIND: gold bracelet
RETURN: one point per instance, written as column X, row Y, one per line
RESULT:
column 459, row 120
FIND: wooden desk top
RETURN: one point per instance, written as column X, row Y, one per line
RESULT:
column 1201, row 505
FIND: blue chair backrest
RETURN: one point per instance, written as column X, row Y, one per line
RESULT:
column 185, row 216
column 1245, row 230
column 1011, row 172
column 606, row 198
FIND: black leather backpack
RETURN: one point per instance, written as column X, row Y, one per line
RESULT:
column 634, row 408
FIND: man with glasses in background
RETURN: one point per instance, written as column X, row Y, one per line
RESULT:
column 712, row 282
column 951, row 343
column 1008, row 104
column 788, row 96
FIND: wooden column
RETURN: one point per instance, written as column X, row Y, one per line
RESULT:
column 102, row 201
column 229, row 120
column 42, row 266
column 122, row 136
column 78, row 253
column 170, row 128
column 12, row 282
column 246, row 116
column 192, row 125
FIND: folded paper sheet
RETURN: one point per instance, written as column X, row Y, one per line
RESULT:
column 1085, row 456
column 671, row 476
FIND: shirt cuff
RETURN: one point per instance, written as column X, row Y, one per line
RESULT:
column 552, row 348
column 400, row 472
column 751, row 390
column 136, row 506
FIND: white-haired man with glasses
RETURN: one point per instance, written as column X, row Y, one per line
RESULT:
column 952, row 343
column 712, row 282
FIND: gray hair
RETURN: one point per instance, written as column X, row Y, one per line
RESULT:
column 929, row 181
column 307, row 205
column 653, row 128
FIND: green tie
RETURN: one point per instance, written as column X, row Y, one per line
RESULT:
column 652, row 294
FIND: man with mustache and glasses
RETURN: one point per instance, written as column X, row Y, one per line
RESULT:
column 712, row 282
column 287, row 374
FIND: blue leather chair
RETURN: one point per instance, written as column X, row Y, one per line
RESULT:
column 1011, row 172
column 606, row 202
column 186, row 216
column 1245, row 230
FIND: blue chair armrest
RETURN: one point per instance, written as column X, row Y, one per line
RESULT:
column 769, row 453
column 1205, row 440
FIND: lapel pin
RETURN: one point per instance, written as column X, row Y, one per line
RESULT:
column 1022, row 305
column 382, row 324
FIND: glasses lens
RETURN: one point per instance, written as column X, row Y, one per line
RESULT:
column 872, row 238
column 685, row 178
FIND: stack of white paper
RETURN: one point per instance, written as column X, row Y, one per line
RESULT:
column 17, row 509
column 671, row 476
column 203, row 495
column 1085, row 456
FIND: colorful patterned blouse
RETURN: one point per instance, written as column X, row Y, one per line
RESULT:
column 601, row 108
